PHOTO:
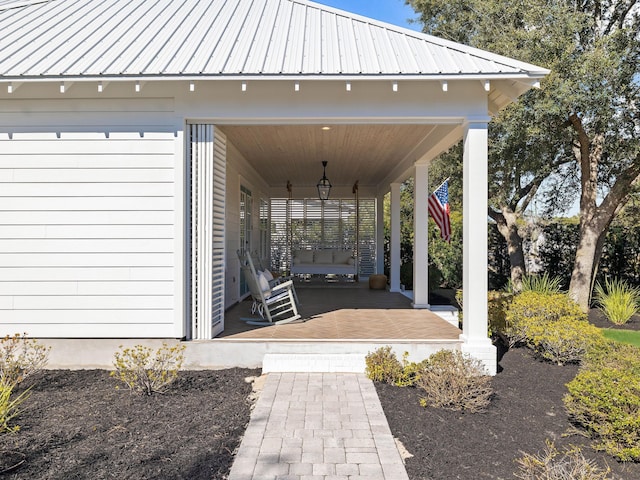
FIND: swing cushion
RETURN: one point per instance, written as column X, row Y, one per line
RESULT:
column 323, row 262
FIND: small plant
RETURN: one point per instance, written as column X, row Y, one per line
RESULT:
column 410, row 372
column 554, row 465
column 21, row 357
column 147, row 373
column 617, row 300
column 10, row 406
column 455, row 381
column 382, row 365
column 541, row 283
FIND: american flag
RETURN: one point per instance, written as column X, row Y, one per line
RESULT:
column 439, row 210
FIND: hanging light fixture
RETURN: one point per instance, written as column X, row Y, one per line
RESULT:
column 324, row 185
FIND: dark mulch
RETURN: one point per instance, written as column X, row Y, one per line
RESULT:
column 78, row 426
column 526, row 411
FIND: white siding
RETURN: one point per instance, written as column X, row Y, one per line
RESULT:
column 239, row 172
column 87, row 219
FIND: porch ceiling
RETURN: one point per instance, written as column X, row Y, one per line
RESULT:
column 366, row 153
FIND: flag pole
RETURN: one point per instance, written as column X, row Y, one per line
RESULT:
column 443, row 182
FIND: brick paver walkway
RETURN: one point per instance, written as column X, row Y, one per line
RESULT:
column 327, row 426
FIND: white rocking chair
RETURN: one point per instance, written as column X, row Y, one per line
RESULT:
column 275, row 304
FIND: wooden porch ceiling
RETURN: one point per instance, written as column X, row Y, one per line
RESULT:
column 367, row 153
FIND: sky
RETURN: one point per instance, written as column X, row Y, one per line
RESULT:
column 390, row 11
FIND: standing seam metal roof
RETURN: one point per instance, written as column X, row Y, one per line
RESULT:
column 187, row 38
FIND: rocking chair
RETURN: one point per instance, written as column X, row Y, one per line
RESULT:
column 275, row 304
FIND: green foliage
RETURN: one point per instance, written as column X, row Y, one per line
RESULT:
column 10, row 406
column 562, row 341
column 498, row 305
column 531, row 308
column 454, row 381
column 20, row 357
column 145, row 372
column 617, row 300
column 554, row 465
column 446, row 258
column 604, row 399
column 383, row 365
column 541, row 283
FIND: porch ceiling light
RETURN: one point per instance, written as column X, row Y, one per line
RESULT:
column 324, row 185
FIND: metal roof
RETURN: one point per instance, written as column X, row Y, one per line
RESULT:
column 225, row 38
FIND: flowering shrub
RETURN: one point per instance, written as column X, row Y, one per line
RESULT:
column 20, row 357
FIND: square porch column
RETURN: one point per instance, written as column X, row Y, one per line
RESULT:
column 475, row 263
column 394, row 254
column 421, row 237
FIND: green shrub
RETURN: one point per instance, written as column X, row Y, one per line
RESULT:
column 147, row 373
column 530, row 308
column 383, row 366
column 20, row 357
column 541, row 284
column 604, row 399
column 498, row 304
column 617, row 300
column 10, row 406
column 562, row 341
column 410, row 372
column 455, row 381
column 554, row 465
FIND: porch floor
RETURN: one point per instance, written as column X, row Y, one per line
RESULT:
column 344, row 311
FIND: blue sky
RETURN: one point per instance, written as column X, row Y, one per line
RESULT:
column 391, row 11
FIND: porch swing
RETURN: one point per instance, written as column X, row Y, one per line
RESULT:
column 326, row 259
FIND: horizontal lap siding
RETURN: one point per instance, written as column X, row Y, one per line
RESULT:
column 87, row 225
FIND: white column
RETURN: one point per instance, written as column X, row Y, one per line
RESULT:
column 380, row 234
column 394, row 257
column 475, row 229
column 421, row 238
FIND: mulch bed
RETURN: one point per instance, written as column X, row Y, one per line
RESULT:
column 526, row 411
column 77, row 425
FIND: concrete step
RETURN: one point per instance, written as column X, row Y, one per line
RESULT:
column 313, row 362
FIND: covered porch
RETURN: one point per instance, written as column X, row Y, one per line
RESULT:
column 341, row 323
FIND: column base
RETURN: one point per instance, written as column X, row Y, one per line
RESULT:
column 485, row 351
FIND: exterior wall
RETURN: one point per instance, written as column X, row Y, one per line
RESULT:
column 89, row 241
column 92, row 190
column 239, row 172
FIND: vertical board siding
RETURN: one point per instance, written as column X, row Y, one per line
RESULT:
column 87, row 234
column 207, row 154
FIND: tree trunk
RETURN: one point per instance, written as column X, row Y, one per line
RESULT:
column 587, row 259
column 506, row 222
column 594, row 219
